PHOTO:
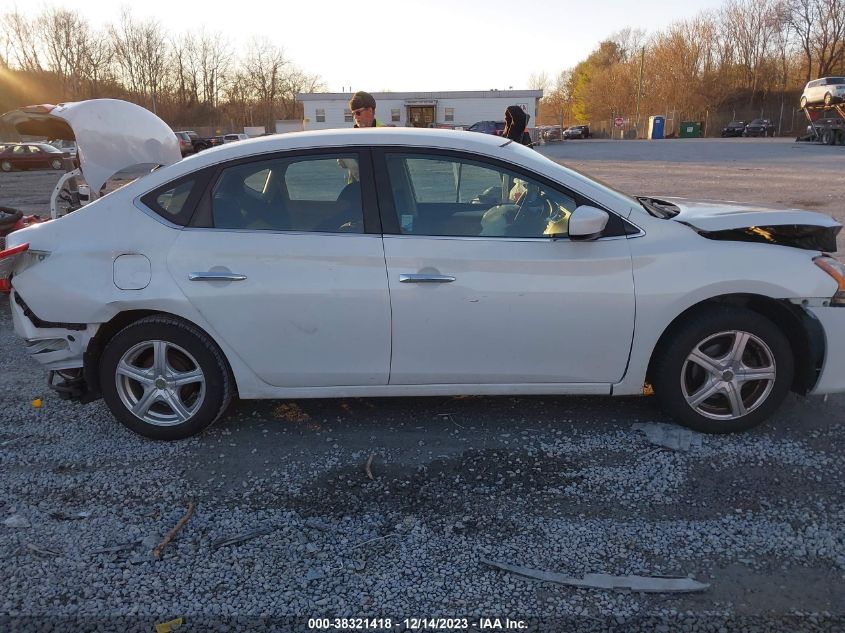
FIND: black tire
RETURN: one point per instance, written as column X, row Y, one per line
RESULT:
column 6, row 166
column 828, row 137
column 57, row 163
column 714, row 330
column 187, row 349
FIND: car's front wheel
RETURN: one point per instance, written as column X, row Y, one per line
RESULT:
column 725, row 370
column 165, row 379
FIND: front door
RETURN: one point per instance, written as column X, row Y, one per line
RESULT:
column 288, row 275
column 421, row 116
column 480, row 291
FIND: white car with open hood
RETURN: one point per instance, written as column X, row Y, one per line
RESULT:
column 404, row 262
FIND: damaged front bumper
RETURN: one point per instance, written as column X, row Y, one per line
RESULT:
column 832, row 377
column 56, row 346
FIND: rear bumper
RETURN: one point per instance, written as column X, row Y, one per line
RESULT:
column 53, row 347
column 832, row 377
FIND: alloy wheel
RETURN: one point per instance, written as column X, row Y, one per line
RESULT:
column 728, row 375
column 160, row 383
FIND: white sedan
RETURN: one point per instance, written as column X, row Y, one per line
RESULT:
column 405, row 262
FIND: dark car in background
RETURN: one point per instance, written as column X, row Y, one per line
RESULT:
column 31, row 156
column 577, row 131
column 734, row 128
column 760, row 127
column 553, row 133
column 488, row 127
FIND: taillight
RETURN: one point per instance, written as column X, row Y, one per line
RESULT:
column 8, row 259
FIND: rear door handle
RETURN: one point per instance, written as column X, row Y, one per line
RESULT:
column 425, row 279
column 216, row 276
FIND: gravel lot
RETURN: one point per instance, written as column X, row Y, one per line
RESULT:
column 563, row 485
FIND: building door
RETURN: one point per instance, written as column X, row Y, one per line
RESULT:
column 421, row 116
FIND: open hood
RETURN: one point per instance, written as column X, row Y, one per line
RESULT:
column 751, row 223
column 110, row 134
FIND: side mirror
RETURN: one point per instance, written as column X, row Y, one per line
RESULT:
column 587, row 223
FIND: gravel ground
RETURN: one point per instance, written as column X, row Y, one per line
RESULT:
column 563, row 485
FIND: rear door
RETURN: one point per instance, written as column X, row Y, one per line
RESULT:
column 284, row 259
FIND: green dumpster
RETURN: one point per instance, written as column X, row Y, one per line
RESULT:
column 690, row 129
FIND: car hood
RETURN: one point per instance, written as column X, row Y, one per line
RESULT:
column 746, row 222
column 110, row 134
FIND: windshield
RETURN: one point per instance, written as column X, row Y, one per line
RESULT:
column 623, row 198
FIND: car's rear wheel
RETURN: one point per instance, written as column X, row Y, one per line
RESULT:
column 57, row 163
column 725, row 370
column 6, row 165
column 164, row 379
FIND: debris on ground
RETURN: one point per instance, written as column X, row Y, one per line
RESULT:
column 669, row 436
column 172, row 533
column 640, row 584
column 369, row 467
column 246, row 536
column 17, row 521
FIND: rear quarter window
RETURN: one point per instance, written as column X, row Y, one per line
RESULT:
column 177, row 200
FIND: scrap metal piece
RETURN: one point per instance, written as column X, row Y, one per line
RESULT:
column 670, row 436
column 640, row 584
column 246, row 536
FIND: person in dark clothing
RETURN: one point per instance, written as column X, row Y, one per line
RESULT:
column 516, row 124
column 363, row 108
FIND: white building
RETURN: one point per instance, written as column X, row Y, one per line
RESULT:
column 419, row 109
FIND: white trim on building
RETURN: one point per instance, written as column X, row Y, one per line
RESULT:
column 423, row 109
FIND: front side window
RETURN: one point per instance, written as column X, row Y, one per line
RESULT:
column 448, row 196
column 315, row 193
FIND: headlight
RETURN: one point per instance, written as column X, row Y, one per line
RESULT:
column 835, row 269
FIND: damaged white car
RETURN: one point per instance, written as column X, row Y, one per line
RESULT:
column 404, row 262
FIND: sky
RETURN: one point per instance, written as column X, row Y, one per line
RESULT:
column 401, row 46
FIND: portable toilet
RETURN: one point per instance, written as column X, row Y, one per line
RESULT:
column 655, row 126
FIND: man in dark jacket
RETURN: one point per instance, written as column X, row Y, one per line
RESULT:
column 363, row 107
column 516, row 122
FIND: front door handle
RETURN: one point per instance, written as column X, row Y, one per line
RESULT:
column 216, row 276
column 425, row 279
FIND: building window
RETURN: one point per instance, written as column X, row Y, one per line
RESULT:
column 321, row 115
column 450, row 114
column 347, row 116
column 394, row 115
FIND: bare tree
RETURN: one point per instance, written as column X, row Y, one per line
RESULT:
column 23, row 41
column 65, row 37
column 265, row 66
column 539, row 81
column 819, row 27
column 141, row 51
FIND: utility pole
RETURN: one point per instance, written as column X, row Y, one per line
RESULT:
column 640, row 88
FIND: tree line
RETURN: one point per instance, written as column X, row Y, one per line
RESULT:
column 746, row 58
column 187, row 78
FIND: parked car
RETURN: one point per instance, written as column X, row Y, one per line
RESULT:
column 186, row 146
column 487, row 127
column 64, row 146
column 734, row 128
column 232, row 138
column 566, row 287
column 760, row 127
column 199, row 143
column 31, row 156
column 577, row 131
column 554, row 133
column 826, row 90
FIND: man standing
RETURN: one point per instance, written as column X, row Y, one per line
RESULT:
column 363, row 107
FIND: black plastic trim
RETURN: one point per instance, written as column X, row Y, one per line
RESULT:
column 40, row 323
